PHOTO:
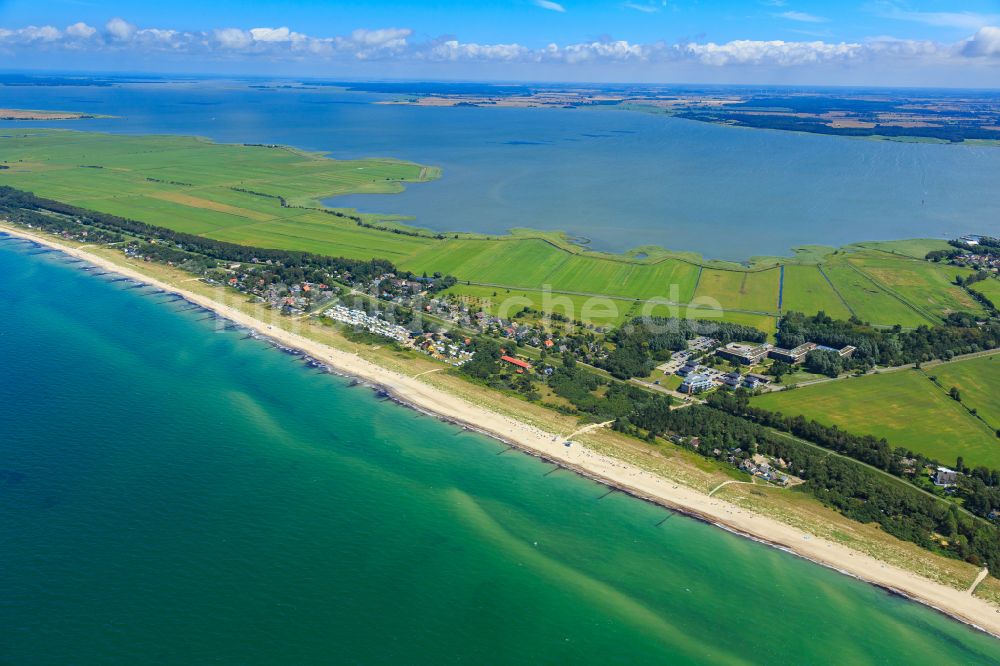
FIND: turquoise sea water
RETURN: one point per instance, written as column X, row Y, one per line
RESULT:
column 172, row 493
column 621, row 179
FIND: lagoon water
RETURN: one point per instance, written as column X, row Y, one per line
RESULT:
column 173, row 493
column 620, row 179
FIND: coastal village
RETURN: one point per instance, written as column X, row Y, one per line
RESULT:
column 418, row 313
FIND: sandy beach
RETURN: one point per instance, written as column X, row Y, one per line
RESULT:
column 617, row 474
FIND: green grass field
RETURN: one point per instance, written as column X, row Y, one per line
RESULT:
column 978, row 380
column 928, row 287
column 231, row 193
column 990, row 288
column 868, row 300
column 741, row 290
column 599, row 311
column 908, row 409
column 807, row 290
column 916, row 248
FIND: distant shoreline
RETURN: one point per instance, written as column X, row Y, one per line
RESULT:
column 614, row 473
column 30, row 114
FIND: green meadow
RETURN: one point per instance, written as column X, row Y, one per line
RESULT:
column 909, row 409
column 234, row 193
column 990, row 288
column 927, row 287
column 596, row 310
column 807, row 289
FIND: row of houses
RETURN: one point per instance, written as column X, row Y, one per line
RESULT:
column 370, row 323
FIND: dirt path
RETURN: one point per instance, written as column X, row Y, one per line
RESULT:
column 979, row 579
column 587, row 428
column 724, row 484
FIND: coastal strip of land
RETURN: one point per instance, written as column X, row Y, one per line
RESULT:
column 29, row 114
column 573, row 455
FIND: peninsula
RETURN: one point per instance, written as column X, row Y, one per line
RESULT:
column 27, row 114
column 570, row 376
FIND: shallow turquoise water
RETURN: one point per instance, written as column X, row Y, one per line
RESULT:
column 171, row 493
column 621, row 179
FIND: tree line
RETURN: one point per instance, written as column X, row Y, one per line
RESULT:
column 888, row 347
column 857, row 492
column 980, row 492
column 644, row 341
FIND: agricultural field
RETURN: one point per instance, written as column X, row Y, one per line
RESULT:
column 533, row 263
column 929, row 287
column 227, row 192
column 599, row 311
column 908, row 409
column 807, row 290
column 916, row 248
column 869, row 301
column 979, row 382
column 755, row 291
column 269, row 196
column 990, row 288
column 503, row 302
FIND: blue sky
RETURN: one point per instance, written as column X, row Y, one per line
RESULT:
column 906, row 42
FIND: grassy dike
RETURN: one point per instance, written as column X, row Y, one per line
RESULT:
column 668, row 463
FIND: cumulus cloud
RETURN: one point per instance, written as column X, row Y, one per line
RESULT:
column 551, row 6
column 120, row 29
column 275, row 35
column 233, row 38
column 45, row 33
column 387, row 38
column 81, row 31
column 398, row 45
column 985, row 43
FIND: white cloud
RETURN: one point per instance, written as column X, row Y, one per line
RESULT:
column 802, row 17
column 45, row 33
column 120, row 29
column 390, row 38
column 274, row 35
column 962, row 20
column 551, row 6
column 777, row 52
column 81, row 31
column 985, row 43
column 644, row 8
column 397, row 45
column 453, row 50
column 233, row 38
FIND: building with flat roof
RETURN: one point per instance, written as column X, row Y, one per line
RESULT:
column 688, row 368
column 744, row 354
column 752, row 381
column 792, row 356
column 696, row 384
column 844, row 352
column 732, row 379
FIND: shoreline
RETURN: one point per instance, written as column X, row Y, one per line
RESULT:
column 613, row 473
